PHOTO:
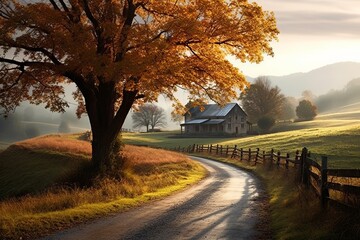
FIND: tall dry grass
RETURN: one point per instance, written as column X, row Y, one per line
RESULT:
column 57, row 143
column 145, row 171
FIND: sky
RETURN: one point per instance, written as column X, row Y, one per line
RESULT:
column 313, row 33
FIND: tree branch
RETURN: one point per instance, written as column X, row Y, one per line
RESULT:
column 26, row 63
column 146, row 42
column 47, row 53
column 14, row 83
column 66, row 9
column 129, row 12
column 96, row 26
column 53, row 3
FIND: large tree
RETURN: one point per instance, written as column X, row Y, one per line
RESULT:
column 262, row 99
column 149, row 115
column 122, row 53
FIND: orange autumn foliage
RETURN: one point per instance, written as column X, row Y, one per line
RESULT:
column 122, row 53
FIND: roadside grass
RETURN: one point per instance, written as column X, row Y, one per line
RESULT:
column 44, row 164
column 295, row 212
column 340, row 143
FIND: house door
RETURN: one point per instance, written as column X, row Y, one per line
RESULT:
column 236, row 130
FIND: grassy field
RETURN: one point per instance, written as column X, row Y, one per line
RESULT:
column 331, row 135
column 37, row 171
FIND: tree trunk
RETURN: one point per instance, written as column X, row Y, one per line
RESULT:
column 105, row 124
column 101, row 152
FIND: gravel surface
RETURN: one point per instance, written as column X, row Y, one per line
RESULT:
column 226, row 205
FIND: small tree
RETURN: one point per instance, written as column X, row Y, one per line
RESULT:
column 306, row 110
column 149, row 115
column 265, row 123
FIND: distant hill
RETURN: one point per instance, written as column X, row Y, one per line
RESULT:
column 319, row 81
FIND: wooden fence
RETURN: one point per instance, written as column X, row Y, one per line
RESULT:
column 339, row 185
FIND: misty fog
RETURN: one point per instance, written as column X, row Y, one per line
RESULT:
column 31, row 120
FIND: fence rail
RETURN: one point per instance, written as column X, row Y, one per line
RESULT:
column 311, row 173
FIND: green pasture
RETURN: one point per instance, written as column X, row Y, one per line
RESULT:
column 24, row 171
column 339, row 139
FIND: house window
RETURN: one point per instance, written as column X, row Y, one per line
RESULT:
column 235, row 117
column 229, row 126
column 242, row 119
column 242, row 126
column 229, row 119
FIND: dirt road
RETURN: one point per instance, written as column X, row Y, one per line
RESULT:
column 223, row 206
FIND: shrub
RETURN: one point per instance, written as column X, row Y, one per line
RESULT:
column 265, row 123
column 306, row 110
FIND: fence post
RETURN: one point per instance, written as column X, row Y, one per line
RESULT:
column 249, row 156
column 241, row 154
column 278, row 159
column 210, row 149
column 287, row 160
column 193, row 148
column 304, row 167
column 263, row 157
column 324, row 188
column 297, row 156
column 257, row 155
column 217, row 149
column 272, row 156
column 227, row 150
column 234, row 151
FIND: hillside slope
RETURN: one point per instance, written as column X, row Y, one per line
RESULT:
column 319, row 81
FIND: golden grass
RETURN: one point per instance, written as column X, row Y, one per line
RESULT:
column 57, row 143
column 147, row 174
column 145, row 155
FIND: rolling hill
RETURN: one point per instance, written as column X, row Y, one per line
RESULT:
column 319, row 81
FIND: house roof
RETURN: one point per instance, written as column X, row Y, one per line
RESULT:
column 214, row 121
column 195, row 121
column 213, row 110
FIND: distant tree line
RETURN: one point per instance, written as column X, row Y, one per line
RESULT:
column 265, row 104
column 337, row 98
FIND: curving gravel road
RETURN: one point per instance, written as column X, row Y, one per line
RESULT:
column 223, row 206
